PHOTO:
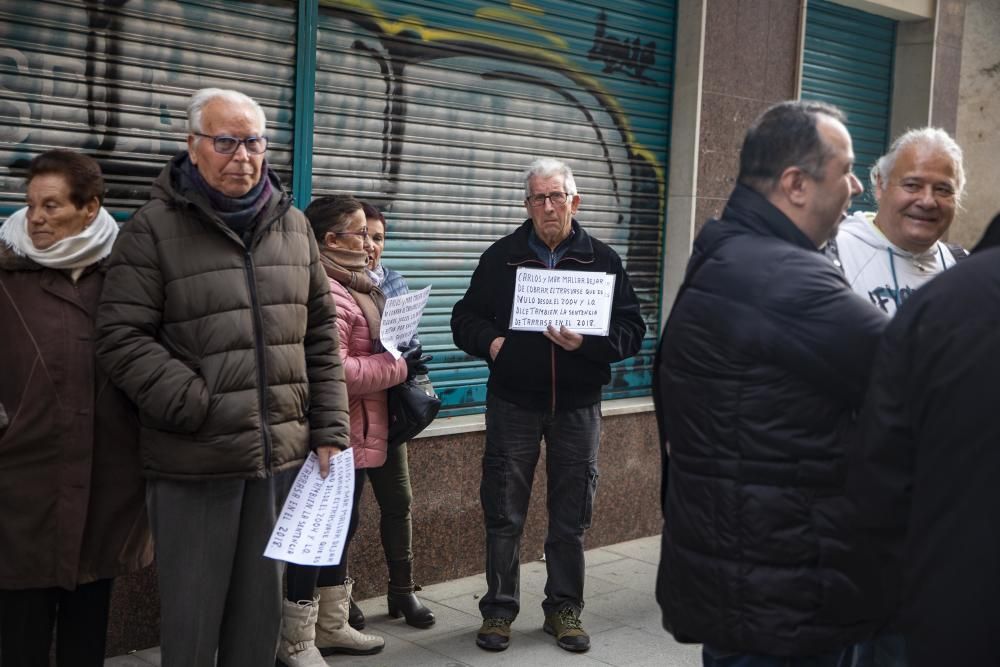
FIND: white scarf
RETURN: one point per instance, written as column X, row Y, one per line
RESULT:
column 377, row 276
column 73, row 252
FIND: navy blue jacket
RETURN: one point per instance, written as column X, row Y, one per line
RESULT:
column 530, row 371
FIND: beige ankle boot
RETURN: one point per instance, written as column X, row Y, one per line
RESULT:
column 297, row 647
column 333, row 634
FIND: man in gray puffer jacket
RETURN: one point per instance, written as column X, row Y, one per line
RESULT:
column 216, row 320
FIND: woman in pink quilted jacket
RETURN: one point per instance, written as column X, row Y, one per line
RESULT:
column 342, row 233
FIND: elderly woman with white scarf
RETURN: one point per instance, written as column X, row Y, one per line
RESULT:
column 72, row 512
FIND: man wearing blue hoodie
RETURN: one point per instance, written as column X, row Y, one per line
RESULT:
column 918, row 185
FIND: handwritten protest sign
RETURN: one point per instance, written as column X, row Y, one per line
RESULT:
column 578, row 300
column 400, row 318
column 312, row 526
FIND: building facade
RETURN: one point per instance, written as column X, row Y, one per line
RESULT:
column 431, row 110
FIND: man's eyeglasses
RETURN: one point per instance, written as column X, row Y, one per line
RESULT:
column 227, row 145
column 557, row 199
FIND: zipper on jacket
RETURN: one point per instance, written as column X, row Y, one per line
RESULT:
column 258, row 344
column 552, row 350
column 553, row 345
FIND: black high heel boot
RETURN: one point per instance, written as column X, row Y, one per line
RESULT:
column 356, row 617
column 401, row 598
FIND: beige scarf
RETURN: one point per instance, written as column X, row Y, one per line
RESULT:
column 347, row 267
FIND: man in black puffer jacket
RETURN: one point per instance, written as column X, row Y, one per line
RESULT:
column 762, row 367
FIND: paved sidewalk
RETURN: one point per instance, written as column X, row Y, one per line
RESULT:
column 622, row 618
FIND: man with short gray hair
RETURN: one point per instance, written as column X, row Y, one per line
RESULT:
column 918, row 185
column 542, row 384
column 216, row 320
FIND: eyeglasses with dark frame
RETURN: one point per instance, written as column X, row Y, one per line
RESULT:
column 557, row 199
column 227, row 145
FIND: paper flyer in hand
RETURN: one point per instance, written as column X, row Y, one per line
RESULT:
column 578, row 300
column 312, row 526
column 400, row 318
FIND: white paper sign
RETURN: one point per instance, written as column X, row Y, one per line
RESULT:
column 312, row 526
column 578, row 300
column 400, row 318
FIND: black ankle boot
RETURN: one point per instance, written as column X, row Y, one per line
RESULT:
column 401, row 598
column 356, row 617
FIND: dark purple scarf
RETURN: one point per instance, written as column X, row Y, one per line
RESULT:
column 239, row 213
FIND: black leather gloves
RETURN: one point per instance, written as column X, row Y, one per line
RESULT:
column 416, row 361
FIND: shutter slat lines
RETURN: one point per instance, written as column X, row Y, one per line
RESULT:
column 113, row 80
column 848, row 62
column 432, row 111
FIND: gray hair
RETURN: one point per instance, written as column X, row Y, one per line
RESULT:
column 930, row 137
column 547, row 167
column 202, row 97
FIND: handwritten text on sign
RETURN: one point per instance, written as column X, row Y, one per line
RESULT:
column 400, row 318
column 312, row 526
column 578, row 300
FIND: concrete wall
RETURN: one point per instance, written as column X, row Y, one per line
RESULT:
column 734, row 59
column 751, row 60
column 979, row 119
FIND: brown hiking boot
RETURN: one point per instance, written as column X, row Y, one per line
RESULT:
column 569, row 633
column 494, row 634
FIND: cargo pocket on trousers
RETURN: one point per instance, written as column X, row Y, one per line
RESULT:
column 588, row 501
column 493, row 490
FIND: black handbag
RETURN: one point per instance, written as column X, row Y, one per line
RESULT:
column 413, row 405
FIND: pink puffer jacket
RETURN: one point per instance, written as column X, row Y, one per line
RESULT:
column 368, row 376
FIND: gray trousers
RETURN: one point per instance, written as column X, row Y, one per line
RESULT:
column 218, row 594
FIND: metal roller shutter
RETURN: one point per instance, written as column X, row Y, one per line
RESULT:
column 432, row 110
column 848, row 62
column 112, row 79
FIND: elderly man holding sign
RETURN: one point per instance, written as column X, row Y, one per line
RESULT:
column 527, row 295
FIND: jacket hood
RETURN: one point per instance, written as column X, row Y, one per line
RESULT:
column 861, row 225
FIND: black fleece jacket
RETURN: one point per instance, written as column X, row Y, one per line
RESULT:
column 530, row 371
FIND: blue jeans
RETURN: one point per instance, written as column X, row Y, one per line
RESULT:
column 513, row 444
column 712, row 657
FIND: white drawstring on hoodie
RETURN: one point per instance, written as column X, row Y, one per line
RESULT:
column 869, row 262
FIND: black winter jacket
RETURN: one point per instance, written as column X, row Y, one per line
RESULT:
column 530, row 371
column 763, row 365
column 925, row 479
